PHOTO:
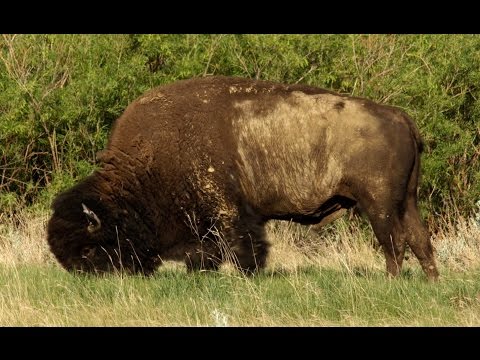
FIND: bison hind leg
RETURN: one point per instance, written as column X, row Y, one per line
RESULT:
column 398, row 224
column 386, row 224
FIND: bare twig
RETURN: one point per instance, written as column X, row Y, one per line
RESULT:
column 213, row 46
column 312, row 68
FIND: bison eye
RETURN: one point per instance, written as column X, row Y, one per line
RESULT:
column 88, row 251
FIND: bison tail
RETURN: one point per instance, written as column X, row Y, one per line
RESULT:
column 420, row 143
column 415, row 172
column 415, row 133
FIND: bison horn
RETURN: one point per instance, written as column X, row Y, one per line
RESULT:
column 94, row 222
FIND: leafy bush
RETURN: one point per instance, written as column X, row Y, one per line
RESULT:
column 59, row 95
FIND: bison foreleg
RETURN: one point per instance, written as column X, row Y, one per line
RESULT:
column 250, row 248
column 387, row 228
column 201, row 261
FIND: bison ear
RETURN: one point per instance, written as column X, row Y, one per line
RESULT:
column 94, row 222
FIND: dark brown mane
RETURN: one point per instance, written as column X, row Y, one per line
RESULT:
column 124, row 225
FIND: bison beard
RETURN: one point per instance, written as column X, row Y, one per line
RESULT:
column 193, row 171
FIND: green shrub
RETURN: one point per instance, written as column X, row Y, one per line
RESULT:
column 60, row 94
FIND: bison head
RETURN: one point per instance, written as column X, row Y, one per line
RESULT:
column 89, row 232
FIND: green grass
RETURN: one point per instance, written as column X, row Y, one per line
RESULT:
column 32, row 295
column 333, row 276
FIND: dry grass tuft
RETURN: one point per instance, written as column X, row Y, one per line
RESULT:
column 22, row 239
column 343, row 245
column 315, row 277
column 458, row 245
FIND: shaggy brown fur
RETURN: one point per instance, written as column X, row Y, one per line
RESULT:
column 194, row 169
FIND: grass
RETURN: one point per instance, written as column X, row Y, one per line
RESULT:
column 332, row 277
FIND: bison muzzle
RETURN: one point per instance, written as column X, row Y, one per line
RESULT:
column 193, row 170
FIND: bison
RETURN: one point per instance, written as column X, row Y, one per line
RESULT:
column 193, row 170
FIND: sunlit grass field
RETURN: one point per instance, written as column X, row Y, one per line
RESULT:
column 332, row 276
